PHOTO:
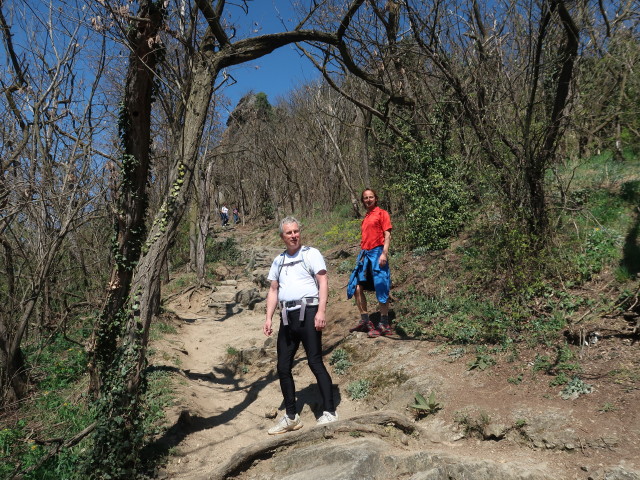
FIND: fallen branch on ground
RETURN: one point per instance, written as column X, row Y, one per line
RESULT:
column 61, row 444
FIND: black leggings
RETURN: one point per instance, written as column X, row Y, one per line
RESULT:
column 289, row 338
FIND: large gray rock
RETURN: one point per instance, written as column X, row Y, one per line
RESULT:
column 248, row 297
column 370, row 459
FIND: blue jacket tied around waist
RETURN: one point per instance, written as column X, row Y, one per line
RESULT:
column 381, row 276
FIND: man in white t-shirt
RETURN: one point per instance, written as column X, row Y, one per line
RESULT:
column 300, row 287
column 224, row 215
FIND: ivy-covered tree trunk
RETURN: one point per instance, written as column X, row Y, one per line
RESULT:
column 114, row 454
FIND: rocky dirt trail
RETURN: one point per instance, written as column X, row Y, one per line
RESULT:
column 228, row 396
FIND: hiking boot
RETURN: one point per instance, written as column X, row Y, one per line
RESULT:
column 286, row 425
column 327, row 417
column 385, row 329
column 362, row 326
column 373, row 332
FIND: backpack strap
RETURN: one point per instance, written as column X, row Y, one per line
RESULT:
column 280, row 266
column 305, row 264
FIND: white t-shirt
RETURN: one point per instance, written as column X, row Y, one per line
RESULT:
column 295, row 282
column 224, row 210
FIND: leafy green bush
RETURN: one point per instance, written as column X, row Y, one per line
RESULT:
column 340, row 361
column 436, row 209
column 473, row 426
column 506, row 254
column 345, row 266
column 461, row 319
column 601, row 247
column 575, row 388
column 424, row 185
column 482, row 362
column 424, row 407
column 359, row 389
column 157, row 399
column 226, row 251
column 560, row 365
column 342, row 232
column 630, row 192
column 232, row 351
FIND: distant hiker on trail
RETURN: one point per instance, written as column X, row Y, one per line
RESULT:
column 372, row 266
column 224, row 215
column 299, row 285
column 236, row 215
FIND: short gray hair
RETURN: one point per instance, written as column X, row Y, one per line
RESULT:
column 286, row 221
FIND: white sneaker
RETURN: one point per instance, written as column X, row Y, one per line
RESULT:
column 327, row 417
column 286, row 425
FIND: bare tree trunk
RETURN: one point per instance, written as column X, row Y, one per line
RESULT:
column 192, row 220
column 203, row 218
column 366, row 128
column 353, row 196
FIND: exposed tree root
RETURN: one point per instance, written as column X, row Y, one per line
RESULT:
column 175, row 295
column 367, row 423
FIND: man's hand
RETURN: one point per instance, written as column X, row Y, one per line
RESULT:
column 272, row 302
column 382, row 261
column 320, row 322
column 266, row 329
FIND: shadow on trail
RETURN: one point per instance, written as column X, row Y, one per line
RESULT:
column 227, row 375
column 310, row 395
column 188, row 424
column 229, row 312
column 205, row 377
column 232, row 309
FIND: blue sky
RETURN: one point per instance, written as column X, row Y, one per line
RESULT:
column 277, row 73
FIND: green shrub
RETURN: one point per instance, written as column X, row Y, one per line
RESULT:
column 157, row 398
column 560, row 365
column 560, row 379
column 436, row 209
column 630, row 192
column 517, row 380
column 473, row 426
column 341, row 232
column 340, row 361
column 600, row 248
column 345, row 266
column 482, row 362
column 226, row 251
column 359, row 389
column 461, row 319
column 232, row 351
column 424, row 407
column 575, row 388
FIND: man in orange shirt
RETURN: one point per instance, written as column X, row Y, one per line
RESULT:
column 372, row 267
